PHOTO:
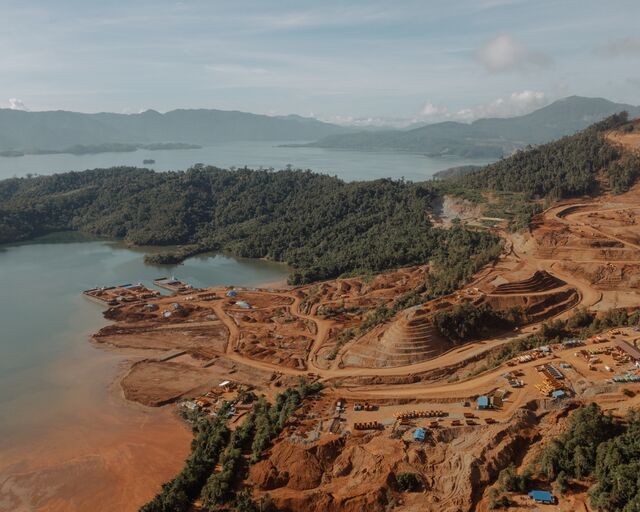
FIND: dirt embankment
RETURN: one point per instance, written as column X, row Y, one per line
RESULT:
column 355, row 473
column 451, row 208
column 629, row 138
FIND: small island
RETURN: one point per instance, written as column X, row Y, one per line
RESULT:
column 94, row 149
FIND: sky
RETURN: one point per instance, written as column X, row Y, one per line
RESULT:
column 352, row 62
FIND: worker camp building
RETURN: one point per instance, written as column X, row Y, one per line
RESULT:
column 632, row 352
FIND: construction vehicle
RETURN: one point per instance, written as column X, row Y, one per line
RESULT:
column 421, row 414
column 368, row 425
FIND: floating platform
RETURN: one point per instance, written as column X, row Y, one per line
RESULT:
column 122, row 294
column 172, row 284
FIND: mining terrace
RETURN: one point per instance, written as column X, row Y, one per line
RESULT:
column 403, row 375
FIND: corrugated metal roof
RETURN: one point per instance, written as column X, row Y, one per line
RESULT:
column 630, row 350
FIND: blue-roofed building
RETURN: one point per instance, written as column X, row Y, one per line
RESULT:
column 483, row 402
column 232, row 294
column 559, row 393
column 420, row 434
column 542, row 497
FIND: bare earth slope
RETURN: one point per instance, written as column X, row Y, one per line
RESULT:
column 579, row 253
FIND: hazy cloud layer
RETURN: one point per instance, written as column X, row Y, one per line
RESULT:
column 505, row 53
column 16, row 104
column 625, row 47
column 515, row 104
column 363, row 61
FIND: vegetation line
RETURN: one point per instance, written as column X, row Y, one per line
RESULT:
column 215, row 445
column 320, row 225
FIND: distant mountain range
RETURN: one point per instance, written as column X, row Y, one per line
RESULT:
column 486, row 138
column 59, row 130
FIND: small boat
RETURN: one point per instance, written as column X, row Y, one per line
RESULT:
column 148, row 161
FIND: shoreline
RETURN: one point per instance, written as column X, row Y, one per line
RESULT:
column 125, row 450
column 64, row 411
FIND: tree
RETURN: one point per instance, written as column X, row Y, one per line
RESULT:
column 562, row 483
column 509, row 480
column 409, row 482
column 467, row 321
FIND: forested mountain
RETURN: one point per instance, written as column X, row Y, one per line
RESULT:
column 487, row 137
column 319, row 224
column 59, row 130
column 563, row 168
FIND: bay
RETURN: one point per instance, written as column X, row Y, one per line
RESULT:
column 348, row 165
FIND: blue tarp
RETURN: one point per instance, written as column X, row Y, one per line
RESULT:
column 419, row 434
column 483, row 402
column 558, row 393
column 542, row 496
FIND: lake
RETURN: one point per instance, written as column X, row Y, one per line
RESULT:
column 348, row 165
column 58, row 416
column 68, row 440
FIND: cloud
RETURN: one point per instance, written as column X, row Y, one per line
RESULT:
column 516, row 104
column 624, row 47
column 16, row 104
column 132, row 110
column 634, row 82
column 365, row 122
column 505, row 53
column 234, row 69
column 431, row 111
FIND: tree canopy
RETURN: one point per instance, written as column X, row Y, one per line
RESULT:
column 320, row 225
column 564, row 168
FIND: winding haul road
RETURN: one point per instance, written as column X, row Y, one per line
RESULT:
column 523, row 249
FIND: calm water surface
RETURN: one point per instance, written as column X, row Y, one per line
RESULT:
column 43, row 315
column 348, row 165
column 57, row 418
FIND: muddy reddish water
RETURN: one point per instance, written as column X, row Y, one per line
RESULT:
column 89, row 450
column 68, row 440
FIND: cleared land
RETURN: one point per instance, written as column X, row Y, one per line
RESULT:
column 390, row 379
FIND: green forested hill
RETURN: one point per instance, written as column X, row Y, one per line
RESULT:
column 319, row 224
column 563, row 168
column 60, row 130
column 486, row 138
